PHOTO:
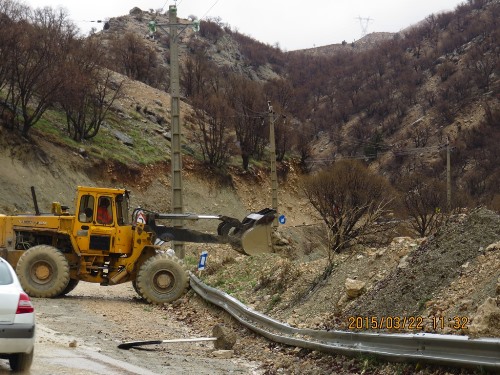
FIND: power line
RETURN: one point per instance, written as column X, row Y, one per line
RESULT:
column 395, row 151
column 209, row 9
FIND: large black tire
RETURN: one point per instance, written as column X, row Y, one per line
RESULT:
column 43, row 271
column 134, row 285
column 21, row 362
column 162, row 279
column 71, row 285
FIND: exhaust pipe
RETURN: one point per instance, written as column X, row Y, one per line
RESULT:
column 33, row 195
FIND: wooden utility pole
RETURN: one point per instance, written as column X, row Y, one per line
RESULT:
column 274, row 177
column 175, row 156
column 448, row 175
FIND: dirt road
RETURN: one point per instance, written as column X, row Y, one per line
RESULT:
column 79, row 334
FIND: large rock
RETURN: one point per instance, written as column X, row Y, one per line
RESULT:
column 135, row 11
column 354, row 288
column 123, row 137
column 487, row 319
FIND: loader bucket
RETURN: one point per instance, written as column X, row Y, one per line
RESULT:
column 257, row 240
column 254, row 233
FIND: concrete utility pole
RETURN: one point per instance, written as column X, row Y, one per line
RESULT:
column 176, row 156
column 176, row 127
column 274, row 177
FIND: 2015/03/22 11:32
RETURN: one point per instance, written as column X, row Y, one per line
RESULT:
column 412, row 323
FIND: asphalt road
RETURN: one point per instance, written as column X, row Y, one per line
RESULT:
column 79, row 334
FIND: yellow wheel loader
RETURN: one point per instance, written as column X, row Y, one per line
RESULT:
column 103, row 243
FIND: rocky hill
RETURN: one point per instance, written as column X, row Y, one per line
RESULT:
column 367, row 42
column 394, row 106
column 450, row 274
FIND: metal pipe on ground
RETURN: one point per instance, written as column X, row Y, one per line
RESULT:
column 223, row 340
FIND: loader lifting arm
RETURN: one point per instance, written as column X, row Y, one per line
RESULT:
column 250, row 236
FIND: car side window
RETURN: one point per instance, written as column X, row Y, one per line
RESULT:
column 5, row 276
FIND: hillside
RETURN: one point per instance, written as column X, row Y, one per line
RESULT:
column 393, row 100
column 453, row 272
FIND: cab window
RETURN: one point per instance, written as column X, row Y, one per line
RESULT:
column 104, row 211
column 122, row 209
column 86, row 209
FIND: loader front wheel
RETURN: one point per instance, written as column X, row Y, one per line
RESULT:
column 162, row 279
column 71, row 285
column 43, row 271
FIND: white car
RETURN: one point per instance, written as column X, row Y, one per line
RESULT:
column 17, row 320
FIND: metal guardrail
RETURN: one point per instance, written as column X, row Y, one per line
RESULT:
column 421, row 347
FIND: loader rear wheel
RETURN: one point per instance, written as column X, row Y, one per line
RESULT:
column 43, row 271
column 134, row 285
column 162, row 279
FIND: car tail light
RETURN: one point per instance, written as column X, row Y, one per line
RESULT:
column 24, row 306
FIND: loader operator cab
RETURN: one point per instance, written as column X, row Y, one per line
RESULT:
column 103, row 213
column 102, row 223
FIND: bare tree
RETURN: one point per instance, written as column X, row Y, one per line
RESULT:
column 420, row 135
column 303, row 136
column 39, row 50
column 283, row 137
column 482, row 61
column 247, row 101
column 424, row 199
column 213, row 120
column 195, row 74
column 350, row 200
column 131, row 55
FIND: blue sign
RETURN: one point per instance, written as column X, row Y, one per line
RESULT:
column 203, row 260
column 282, row 219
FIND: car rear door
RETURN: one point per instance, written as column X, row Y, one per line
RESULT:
column 9, row 295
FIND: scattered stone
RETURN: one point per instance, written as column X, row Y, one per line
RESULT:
column 465, row 305
column 73, row 344
column 225, row 338
column 225, row 354
column 403, row 263
column 123, row 137
column 493, row 246
column 354, row 288
column 487, row 318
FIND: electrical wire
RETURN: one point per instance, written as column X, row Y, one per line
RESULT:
column 399, row 152
column 209, row 9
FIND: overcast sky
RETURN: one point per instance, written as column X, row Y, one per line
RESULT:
column 293, row 24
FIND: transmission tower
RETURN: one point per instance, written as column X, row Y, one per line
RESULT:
column 364, row 24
